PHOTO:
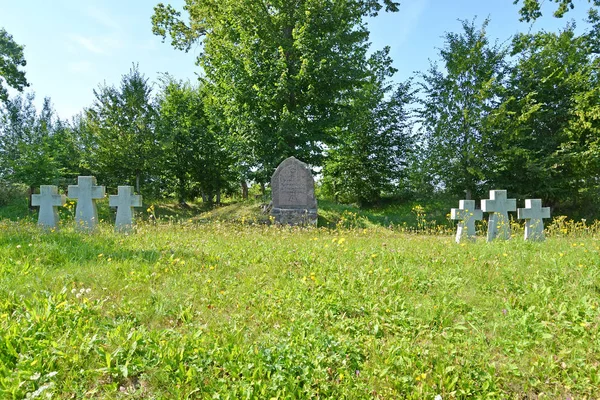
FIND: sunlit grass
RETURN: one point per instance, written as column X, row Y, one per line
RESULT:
column 231, row 310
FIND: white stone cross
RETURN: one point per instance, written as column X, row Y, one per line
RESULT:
column 533, row 214
column 467, row 214
column 499, row 206
column 48, row 200
column 86, row 192
column 125, row 201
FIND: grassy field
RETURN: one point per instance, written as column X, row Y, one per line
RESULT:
column 197, row 308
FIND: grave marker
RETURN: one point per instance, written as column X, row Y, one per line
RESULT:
column 467, row 215
column 498, row 206
column 293, row 191
column 86, row 192
column 533, row 214
column 48, row 200
column 125, row 200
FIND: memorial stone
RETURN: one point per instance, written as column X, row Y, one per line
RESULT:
column 467, row 215
column 125, row 200
column 86, row 192
column 293, row 191
column 498, row 206
column 533, row 214
column 48, row 200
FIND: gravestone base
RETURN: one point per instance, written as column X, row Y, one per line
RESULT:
column 290, row 216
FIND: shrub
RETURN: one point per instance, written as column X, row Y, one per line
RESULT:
column 10, row 192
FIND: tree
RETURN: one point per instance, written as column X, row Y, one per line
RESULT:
column 26, row 151
column 11, row 58
column 279, row 71
column 193, row 152
column 371, row 152
column 121, row 143
column 549, row 145
column 532, row 10
column 457, row 105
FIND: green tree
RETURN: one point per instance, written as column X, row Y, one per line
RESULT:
column 369, row 158
column 457, row 107
column 532, row 9
column 26, row 151
column 11, row 59
column 121, row 145
column 280, row 71
column 548, row 118
column 193, row 152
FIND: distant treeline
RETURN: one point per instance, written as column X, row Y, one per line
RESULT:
column 297, row 78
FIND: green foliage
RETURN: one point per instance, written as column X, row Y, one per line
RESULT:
column 120, row 142
column 457, row 106
column 547, row 118
column 238, row 311
column 194, row 153
column 26, row 143
column 11, row 192
column 11, row 59
column 280, row 72
column 532, row 10
column 370, row 155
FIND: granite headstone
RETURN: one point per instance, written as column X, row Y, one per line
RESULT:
column 293, row 191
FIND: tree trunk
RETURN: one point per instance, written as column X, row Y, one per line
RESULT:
column 468, row 194
column 219, row 197
column 244, row 190
column 181, row 191
column 263, row 189
column 137, row 183
column 29, row 202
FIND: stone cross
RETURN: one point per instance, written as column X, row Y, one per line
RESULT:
column 48, row 200
column 125, row 201
column 86, row 192
column 467, row 214
column 499, row 206
column 533, row 214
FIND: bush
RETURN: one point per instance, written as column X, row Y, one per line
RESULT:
column 11, row 192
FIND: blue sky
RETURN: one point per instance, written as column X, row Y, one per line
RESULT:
column 72, row 46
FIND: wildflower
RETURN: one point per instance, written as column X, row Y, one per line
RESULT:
column 18, row 246
column 100, row 255
column 373, row 255
column 505, row 255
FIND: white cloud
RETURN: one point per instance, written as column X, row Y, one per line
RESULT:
column 102, row 17
column 88, row 44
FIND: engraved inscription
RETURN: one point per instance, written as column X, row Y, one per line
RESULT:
column 292, row 187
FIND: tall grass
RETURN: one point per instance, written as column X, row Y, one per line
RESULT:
column 194, row 309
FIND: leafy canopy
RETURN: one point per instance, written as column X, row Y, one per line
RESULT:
column 11, row 58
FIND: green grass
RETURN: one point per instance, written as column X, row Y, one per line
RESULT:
column 209, row 309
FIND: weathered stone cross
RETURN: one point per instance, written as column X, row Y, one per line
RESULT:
column 533, row 214
column 499, row 206
column 125, row 201
column 467, row 214
column 86, row 192
column 48, row 200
